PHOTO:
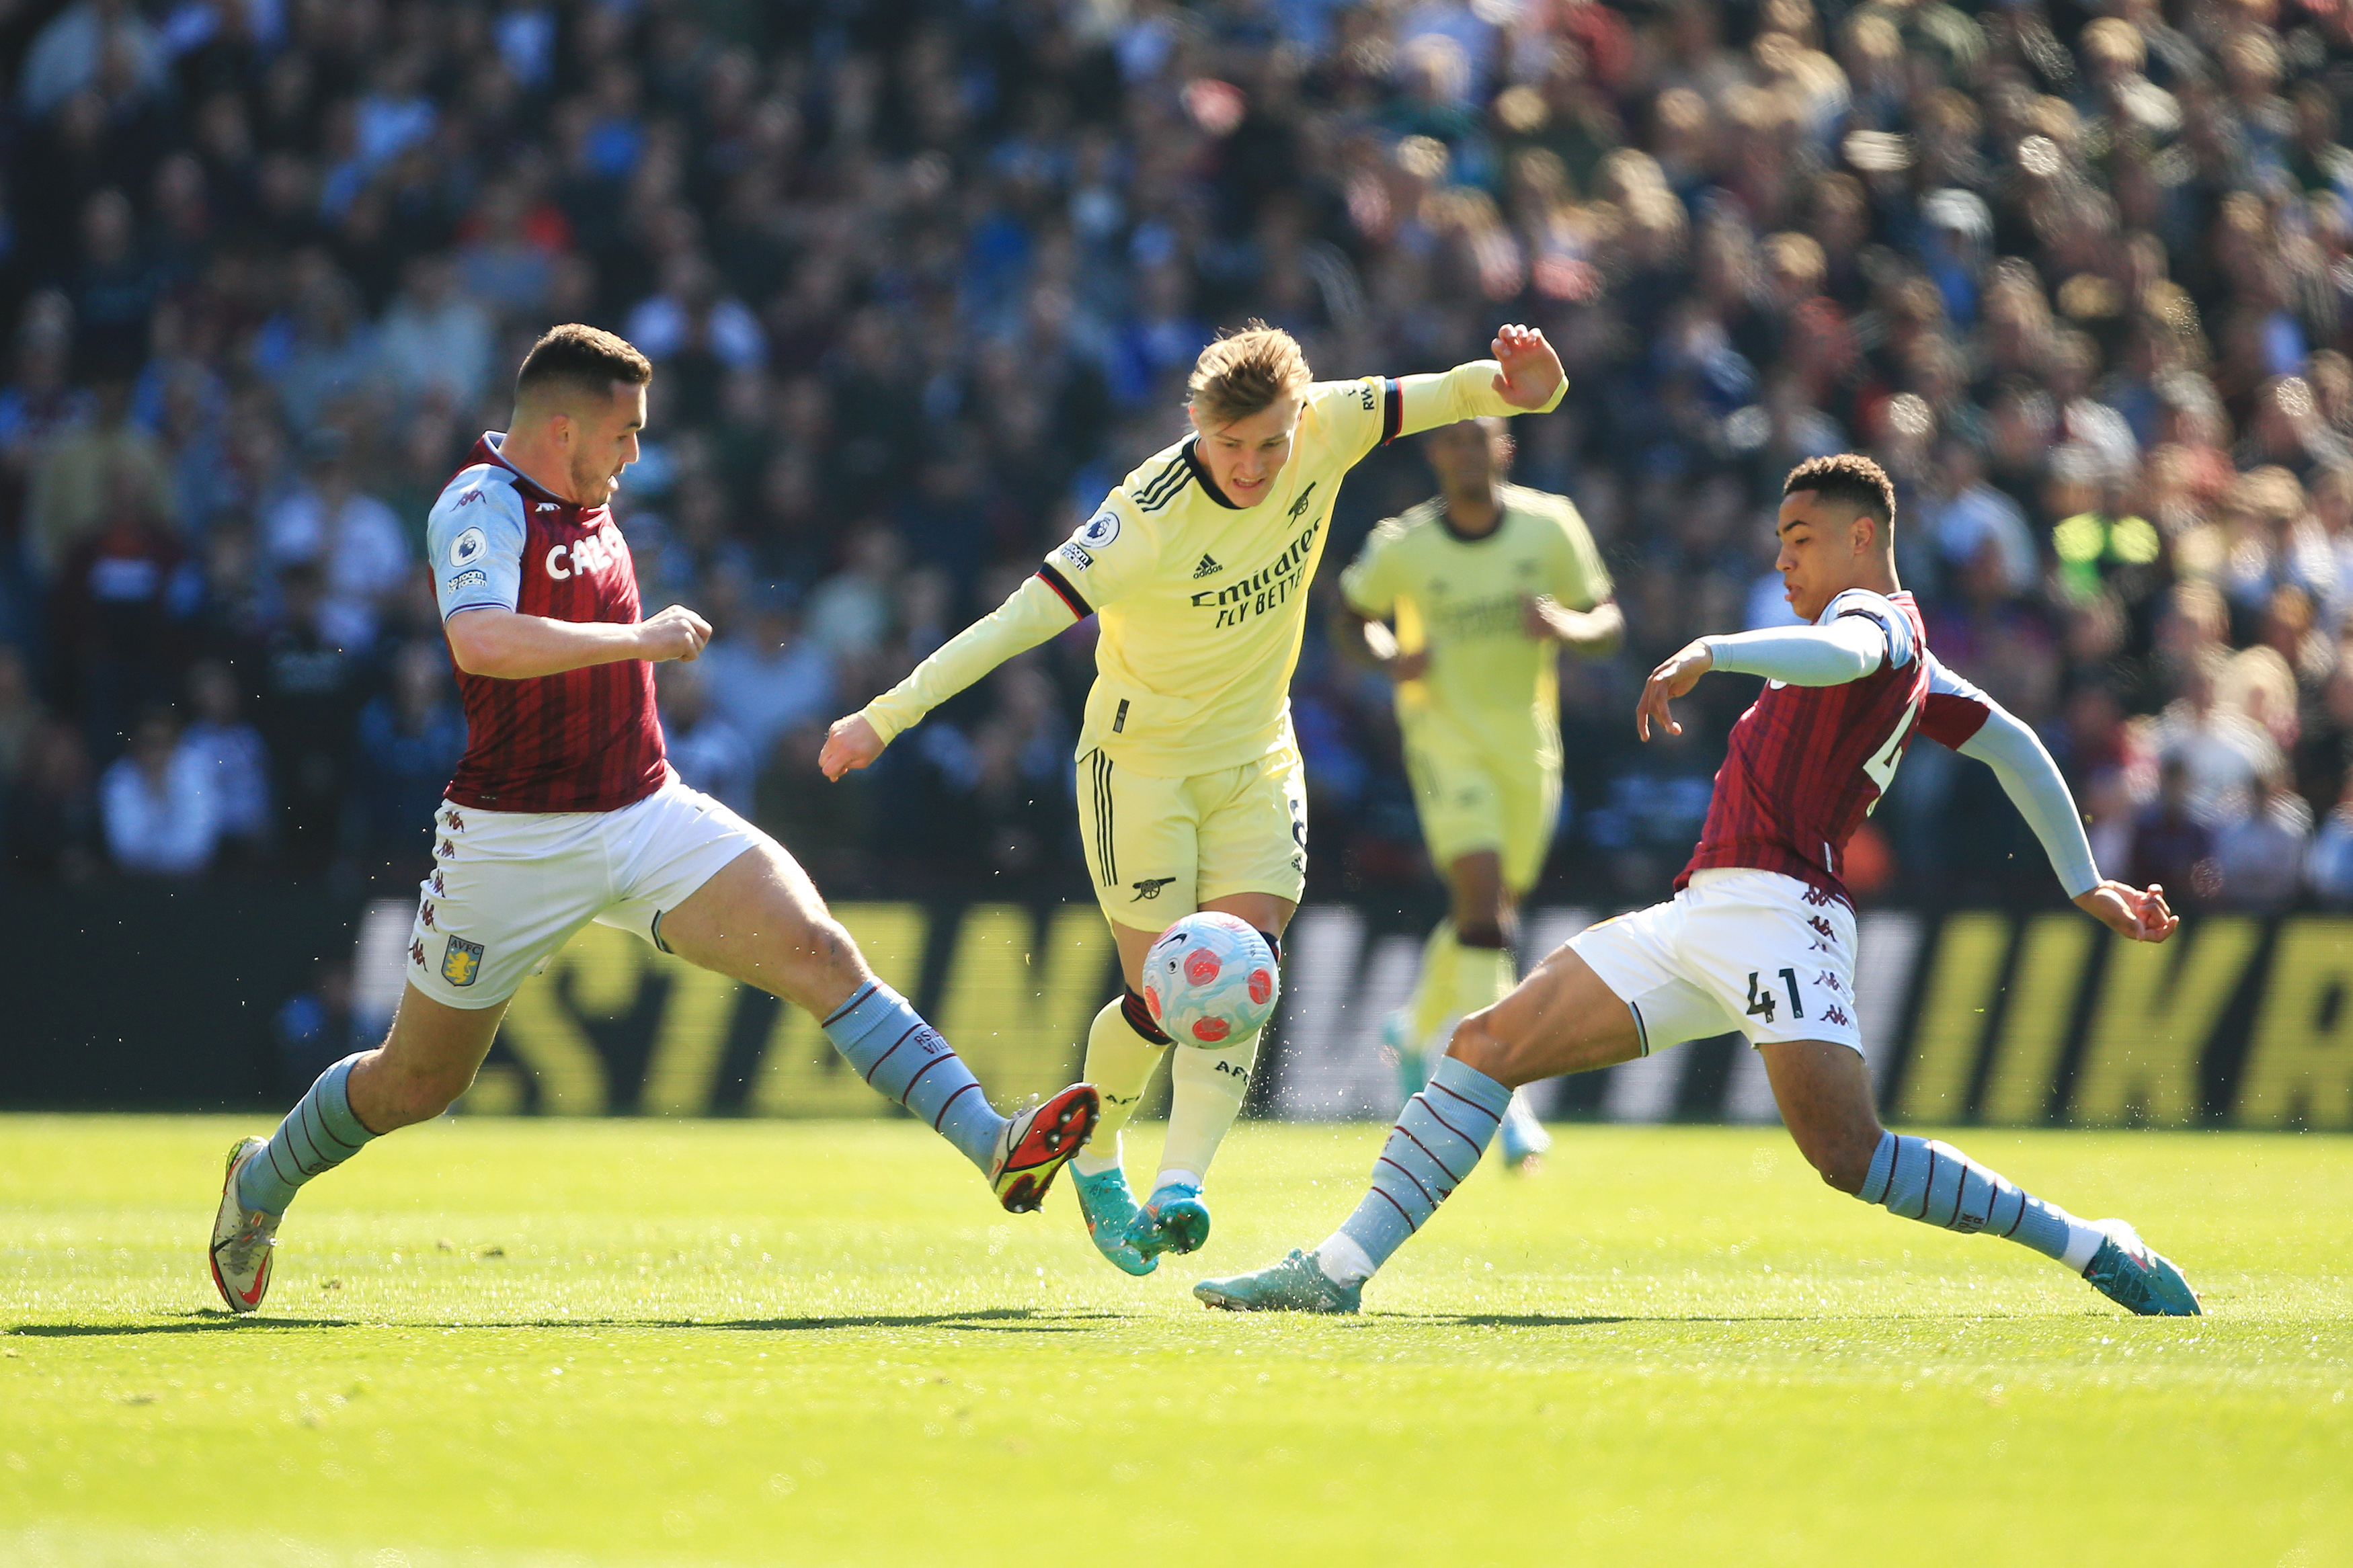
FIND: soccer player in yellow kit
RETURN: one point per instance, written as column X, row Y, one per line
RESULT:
column 1486, row 582
column 1191, row 793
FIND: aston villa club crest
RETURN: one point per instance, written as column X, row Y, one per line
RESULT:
column 461, row 962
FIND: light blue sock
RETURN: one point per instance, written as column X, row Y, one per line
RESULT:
column 1436, row 1141
column 905, row 1060
column 319, row 1134
column 1936, row 1184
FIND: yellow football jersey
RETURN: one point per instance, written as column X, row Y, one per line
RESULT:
column 1201, row 603
column 1489, row 681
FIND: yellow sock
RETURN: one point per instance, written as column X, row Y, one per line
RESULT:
column 1119, row 1064
column 1433, row 989
column 1482, row 977
column 1209, row 1087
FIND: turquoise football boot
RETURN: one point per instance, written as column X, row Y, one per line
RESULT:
column 1109, row 1209
column 2139, row 1277
column 1173, row 1219
column 1293, row 1285
column 1522, row 1139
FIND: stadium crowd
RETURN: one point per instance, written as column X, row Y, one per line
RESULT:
column 922, row 280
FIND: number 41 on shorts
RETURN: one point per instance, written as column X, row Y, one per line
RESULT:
column 1763, row 1002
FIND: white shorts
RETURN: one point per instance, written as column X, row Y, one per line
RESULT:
column 509, row 888
column 1752, row 951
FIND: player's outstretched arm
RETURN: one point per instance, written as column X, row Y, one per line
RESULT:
column 1524, row 377
column 1033, row 612
column 2034, row 785
column 506, row 645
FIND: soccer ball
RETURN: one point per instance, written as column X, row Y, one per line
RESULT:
column 1210, row 979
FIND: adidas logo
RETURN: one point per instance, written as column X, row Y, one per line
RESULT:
column 1207, row 568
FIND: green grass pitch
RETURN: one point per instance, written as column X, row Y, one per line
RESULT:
column 650, row 1343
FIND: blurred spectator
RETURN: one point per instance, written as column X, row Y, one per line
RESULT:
column 2222, row 752
column 849, row 613
column 314, row 1027
column 1965, row 515
column 2170, row 847
column 312, row 687
column 438, row 339
column 121, row 604
column 358, row 544
column 87, row 468
column 236, row 761
column 161, row 815
column 708, row 751
column 2260, row 857
column 51, row 815
column 410, row 739
column 2328, row 868
column 764, row 675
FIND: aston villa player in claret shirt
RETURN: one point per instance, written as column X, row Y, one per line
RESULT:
column 565, row 811
column 1760, row 934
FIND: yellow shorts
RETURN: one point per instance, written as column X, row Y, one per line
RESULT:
column 1470, row 801
column 1161, row 848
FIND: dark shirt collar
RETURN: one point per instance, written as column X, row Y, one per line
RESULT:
column 1201, row 472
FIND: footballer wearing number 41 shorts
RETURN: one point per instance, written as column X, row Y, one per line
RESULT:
column 1760, row 936
column 565, row 811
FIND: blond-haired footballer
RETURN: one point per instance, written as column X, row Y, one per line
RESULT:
column 1191, row 792
column 1485, row 583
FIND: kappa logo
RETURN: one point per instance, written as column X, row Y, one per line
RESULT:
column 468, row 498
column 416, row 952
column 425, row 915
column 461, row 962
column 1821, row 926
column 447, row 850
column 1149, row 887
column 457, row 823
column 1818, row 897
column 1207, row 568
column 549, row 506
column 438, row 888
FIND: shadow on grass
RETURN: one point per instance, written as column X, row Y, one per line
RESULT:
column 987, row 1320
column 1547, row 1320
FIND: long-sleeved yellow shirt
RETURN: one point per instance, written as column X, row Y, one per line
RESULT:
column 1202, row 603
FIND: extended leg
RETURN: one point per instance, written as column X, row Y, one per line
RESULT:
column 760, row 920
column 1824, row 1093
column 1560, row 1019
column 1208, row 1087
column 1123, row 1047
column 426, row 1061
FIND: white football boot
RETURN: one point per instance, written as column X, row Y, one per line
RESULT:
column 244, row 1239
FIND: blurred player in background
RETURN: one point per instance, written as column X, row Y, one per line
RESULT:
column 1760, row 936
column 1486, row 582
column 1192, row 793
column 564, row 810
